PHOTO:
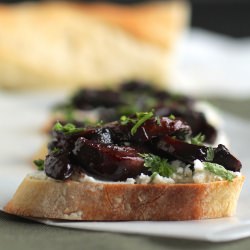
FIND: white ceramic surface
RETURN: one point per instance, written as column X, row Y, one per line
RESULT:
column 209, row 63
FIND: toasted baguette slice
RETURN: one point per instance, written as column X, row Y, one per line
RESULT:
column 67, row 45
column 98, row 201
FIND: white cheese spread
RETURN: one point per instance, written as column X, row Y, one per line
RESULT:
column 182, row 174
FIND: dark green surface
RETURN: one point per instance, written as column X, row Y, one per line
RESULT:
column 20, row 234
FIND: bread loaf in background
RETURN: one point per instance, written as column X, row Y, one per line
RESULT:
column 67, row 45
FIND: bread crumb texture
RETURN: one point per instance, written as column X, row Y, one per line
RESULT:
column 90, row 201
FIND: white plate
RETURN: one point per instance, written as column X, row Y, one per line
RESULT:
column 21, row 117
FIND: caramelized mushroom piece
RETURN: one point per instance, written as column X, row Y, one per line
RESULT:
column 88, row 98
column 188, row 153
column 109, row 162
column 196, row 120
column 150, row 129
column 58, row 166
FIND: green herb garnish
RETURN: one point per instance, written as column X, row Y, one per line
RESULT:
column 172, row 117
column 158, row 121
column 157, row 165
column 218, row 170
column 99, row 123
column 198, row 139
column 55, row 150
column 125, row 120
column 210, row 154
column 141, row 118
column 152, row 177
column 69, row 128
column 39, row 164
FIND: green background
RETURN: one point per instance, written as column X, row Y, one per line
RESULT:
column 21, row 234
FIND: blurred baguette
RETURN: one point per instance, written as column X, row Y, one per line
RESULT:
column 67, row 45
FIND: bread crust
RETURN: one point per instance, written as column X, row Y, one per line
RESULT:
column 159, row 23
column 51, row 45
column 96, row 201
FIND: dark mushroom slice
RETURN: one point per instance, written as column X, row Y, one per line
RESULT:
column 150, row 91
column 108, row 162
column 58, row 166
column 169, row 100
column 66, row 141
column 136, row 86
column 63, row 141
column 223, row 157
column 188, row 153
column 87, row 99
column 150, row 129
column 195, row 119
column 100, row 135
column 154, row 127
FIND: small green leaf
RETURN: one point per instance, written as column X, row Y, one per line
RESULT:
column 158, row 121
column 218, row 170
column 198, row 139
column 99, row 123
column 58, row 127
column 210, row 154
column 39, row 164
column 125, row 120
column 152, row 177
column 172, row 117
column 141, row 118
column 55, row 150
column 157, row 165
column 69, row 128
